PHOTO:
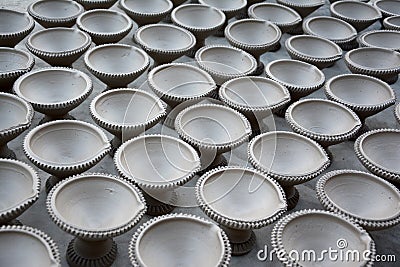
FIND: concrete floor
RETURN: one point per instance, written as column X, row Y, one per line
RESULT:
column 387, row 241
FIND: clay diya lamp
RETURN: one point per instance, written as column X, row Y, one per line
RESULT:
column 186, row 239
column 104, row 26
column 282, row 16
column 55, row 13
column 64, row 148
column 20, row 187
column 116, row 65
column 13, row 64
column 27, row 246
column 15, row 117
column 303, row 7
column 55, row 102
column 359, row 14
column 368, row 200
column 96, row 4
column 59, row 46
column 315, row 50
column 326, row 122
column 397, row 113
column 146, row 12
column 255, row 97
column 365, row 95
column 254, row 36
column 316, row 231
column 392, row 23
column 388, row 8
column 213, row 129
column 94, row 208
column 158, row 164
column 231, row 8
column 380, row 38
column 14, row 26
column 378, row 62
column 336, row 30
column 201, row 20
column 289, row 158
column 224, row 63
column 164, row 42
column 240, row 200
column 126, row 113
column 377, row 150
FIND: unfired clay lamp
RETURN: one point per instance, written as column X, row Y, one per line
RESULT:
column 365, row 95
column 367, row 199
column 315, row 50
column 255, row 97
column 201, row 20
column 19, row 189
column 392, row 23
column 388, row 8
column 55, row 13
column 284, row 17
column 254, row 36
column 14, row 26
column 381, row 38
column 164, row 42
column 104, row 26
column 95, row 208
column 188, row 240
column 213, row 129
column 59, row 46
column 27, row 246
column 158, row 164
column 146, row 12
column 303, row 7
column 240, row 200
column 54, row 91
column 289, row 158
column 96, row 4
column 13, row 63
column 374, row 61
column 126, row 113
column 316, row 231
column 15, row 117
column 324, row 121
column 336, row 30
column 65, row 147
column 116, row 65
column 224, row 63
column 359, row 14
column 397, row 113
column 378, row 150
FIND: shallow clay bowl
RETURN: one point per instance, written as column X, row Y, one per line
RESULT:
column 224, row 63
column 13, row 63
column 20, row 187
column 164, row 42
column 381, row 38
column 364, row 94
column 96, row 4
column 116, row 65
column 315, row 230
column 230, row 7
column 38, row 88
column 104, row 26
column 59, row 46
column 392, row 23
column 378, row 150
column 282, row 16
column 336, row 30
column 397, row 113
column 26, row 246
column 381, row 63
column 315, row 50
column 193, row 239
column 146, row 12
column 324, row 121
column 388, row 8
column 65, row 147
column 367, row 199
column 303, row 7
column 359, row 14
column 55, row 13
column 14, row 26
